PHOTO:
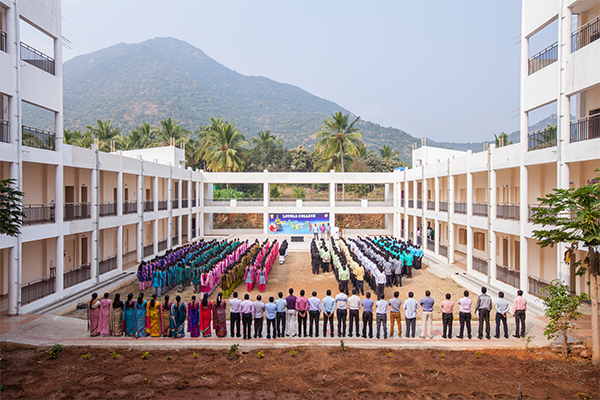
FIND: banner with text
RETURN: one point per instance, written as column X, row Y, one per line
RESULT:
column 287, row 223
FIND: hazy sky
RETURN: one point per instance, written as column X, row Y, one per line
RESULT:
column 447, row 70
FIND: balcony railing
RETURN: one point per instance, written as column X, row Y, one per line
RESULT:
column 544, row 58
column 129, row 207
column 507, row 211
column 108, row 208
column 2, row 41
column 218, row 202
column 443, row 250
column 480, row 265
column 444, row 206
column 148, row 205
column 535, row 285
column 480, row 209
column 420, row 204
column 401, row 202
column 37, row 58
column 175, row 240
column 411, row 203
column 129, row 257
column 348, row 202
column 507, row 275
column 4, row 132
column 585, row 128
column 531, row 212
column 542, row 139
column 37, row 289
column 430, row 205
column 36, row 214
column 175, row 204
column 193, row 202
column 460, row 207
column 162, row 245
column 430, row 245
column 315, row 203
column 184, row 203
column 148, row 250
column 77, row 275
column 419, row 240
column 193, row 233
column 107, row 264
column 402, row 233
column 75, row 211
column 163, row 204
column 38, row 138
column 585, row 35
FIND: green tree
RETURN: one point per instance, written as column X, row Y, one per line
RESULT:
column 170, row 134
column 301, row 159
column 572, row 216
column 388, row 153
column 138, row 138
column 11, row 213
column 275, row 191
column 502, row 140
column 267, row 153
column 562, row 309
column 225, row 148
column 104, row 133
column 338, row 137
column 364, row 153
column 70, row 137
column 265, row 137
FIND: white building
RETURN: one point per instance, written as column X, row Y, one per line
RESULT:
column 90, row 213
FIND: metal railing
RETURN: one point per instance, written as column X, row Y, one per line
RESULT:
column 175, row 240
column 585, row 35
column 443, row 250
column 585, row 128
column 163, row 204
column 430, row 245
column 480, row 265
column 107, row 208
column 402, row 233
column 129, row 207
column 175, row 204
column 507, row 275
column 36, row 214
column 4, row 132
column 444, row 206
column 75, row 211
column 315, row 203
column 535, row 285
column 193, row 232
column 531, row 212
column 2, row 41
column 148, row 250
column 430, row 205
column 419, row 240
column 193, row 202
column 38, row 138
column 162, row 245
column 37, row 289
column 129, row 257
column 411, row 203
column 419, row 204
column 184, row 203
column 544, row 58
column 460, row 207
column 37, row 58
column 77, row 275
column 148, row 205
column 480, row 208
column 401, row 202
column 507, row 211
column 542, row 139
column 107, row 264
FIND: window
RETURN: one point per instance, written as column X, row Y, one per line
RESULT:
column 479, row 240
column 462, row 236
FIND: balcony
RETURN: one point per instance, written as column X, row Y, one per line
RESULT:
column 162, row 205
column 430, row 205
column 535, row 285
column 460, row 207
column 480, row 209
column 77, row 275
column 184, row 203
column 76, row 211
column 2, row 41
column 107, row 208
column 129, row 207
column 108, row 264
column 175, row 240
column 430, row 245
column 148, row 250
column 193, row 233
column 148, row 205
column 585, row 35
column 544, row 58
column 507, row 275
column 542, row 139
column 401, row 202
column 443, row 250
column 4, row 132
column 444, row 206
column 162, row 245
column 175, row 204
column 193, row 202
column 36, row 214
column 37, row 58
column 420, row 204
column 38, row 138
column 531, row 212
column 480, row 265
column 507, row 211
column 411, row 204
column 37, row 289
column 585, row 128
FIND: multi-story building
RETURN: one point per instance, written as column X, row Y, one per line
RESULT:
column 89, row 214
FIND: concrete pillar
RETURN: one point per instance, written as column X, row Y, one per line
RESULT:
column 120, row 247
column 523, row 213
column 436, row 195
column 140, row 211
column 170, row 210
column 95, row 237
column 155, row 194
column 119, row 198
column 266, row 200
column 60, row 243
column 491, row 217
column 451, row 200
column 437, row 227
column 179, row 229
column 155, row 236
column 469, row 249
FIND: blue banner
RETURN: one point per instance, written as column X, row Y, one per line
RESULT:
column 296, row 223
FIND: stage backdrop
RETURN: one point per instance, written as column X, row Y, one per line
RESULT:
column 286, row 223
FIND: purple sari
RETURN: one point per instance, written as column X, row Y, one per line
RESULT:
column 193, row 319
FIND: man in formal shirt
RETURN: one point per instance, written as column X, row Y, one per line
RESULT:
column 483, row 308
column 341, row 303
column 389, row 273
column 353, row 309
column 380, row 281
column 359, row 274
column 502, row 308
column 328, row 304
column 426, row 304
column 314, row 311
column 464, row 314
column 281, row 304
column 410, row 315
column 290, row 313
column 381, row 316
column 344, row 275
column 302, row 310
column 395, row 314
column 271, row 310
column 398, row 273
column 447, row 308
column 234, row 315
column 247, row 310
column 259, row 313
column 367, row 316
column 519, row 309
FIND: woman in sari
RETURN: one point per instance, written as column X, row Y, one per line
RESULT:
column 104, row 319
column 205, row 316
column 93, row 311
column 129, row 319
column 219, row 316
column 166, row 316
column 177, row 323
column 116, row 316
column 154, row 317
column 140, row 316
column 193, row 318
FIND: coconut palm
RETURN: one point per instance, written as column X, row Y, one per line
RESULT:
column 363, row 152
column 225, row 148
column 138, row 138
column 388, row 152
column 170, row 134
column 69, row 137
column 265, row 137
column 502, row 140
column 104, row 132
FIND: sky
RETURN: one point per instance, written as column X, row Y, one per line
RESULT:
column 445, row 69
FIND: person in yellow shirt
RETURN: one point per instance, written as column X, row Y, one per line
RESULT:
column 359, row 273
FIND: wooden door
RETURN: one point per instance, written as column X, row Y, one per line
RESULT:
column 84, row 250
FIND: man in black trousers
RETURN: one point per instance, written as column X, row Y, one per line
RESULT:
column 483, row 308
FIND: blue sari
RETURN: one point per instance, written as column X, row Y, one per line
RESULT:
column 141, row 319
column 194, row 319
column 130, row 320
column 177, row 322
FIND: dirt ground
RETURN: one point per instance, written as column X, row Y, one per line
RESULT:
column 312, row 373
column 296, row 273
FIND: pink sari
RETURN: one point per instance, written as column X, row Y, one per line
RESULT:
column 93, row 318
column 104, row 319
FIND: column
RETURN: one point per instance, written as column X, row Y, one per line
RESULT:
column 120, row 247
column 14, row 277
column 155, row 236
column 437, row 234
column 170, row 209
column 450, row 214
column 492, row 215
column 119, row 198
column 423, row 210
column 266, row 200
column 386, row 198
column 95, row 196
column 140, row 211
column 58, row 213
column 332, row 190
column 524, row 270
column 155, row 194
column 189, row 208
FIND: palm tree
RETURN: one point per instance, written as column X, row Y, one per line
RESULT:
column 388, row 152
column 225, row 148
column 265, row 137
column 69, row 137
column 502, row 140
column 338, row 138
column 363, row 152
column 104, row 132
column 85, row 140
column 170, row 134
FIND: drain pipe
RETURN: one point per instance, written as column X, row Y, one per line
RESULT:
column 19, row 146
